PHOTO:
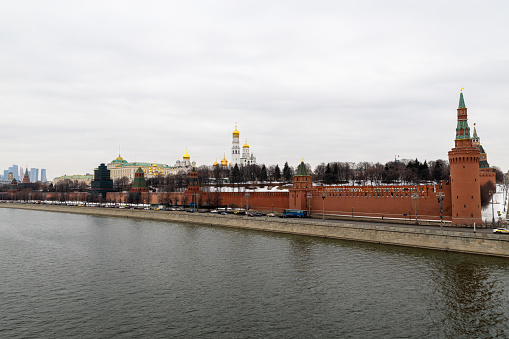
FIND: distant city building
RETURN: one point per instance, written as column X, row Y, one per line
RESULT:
column 6, row 174
column 120, row 168
column 87, row 179
column 15, row 171
column 43, row 175
column 34, row 174
column 245, row 158
column 21, row 173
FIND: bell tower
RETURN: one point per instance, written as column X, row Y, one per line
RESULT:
column 235, row 147
column 464, row 160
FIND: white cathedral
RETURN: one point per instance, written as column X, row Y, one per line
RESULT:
column 245, row 158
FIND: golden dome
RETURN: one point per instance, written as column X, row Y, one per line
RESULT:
column 186, row 156
column 236, row 133
column 224, row 162
column 215, row 163
column 245, row 145
column 119, row 158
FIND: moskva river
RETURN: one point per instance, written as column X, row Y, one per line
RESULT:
column 76, row 276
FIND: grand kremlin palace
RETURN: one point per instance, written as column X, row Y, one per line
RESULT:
column 120, row 168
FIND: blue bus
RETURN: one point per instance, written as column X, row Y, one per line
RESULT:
column 294, row 214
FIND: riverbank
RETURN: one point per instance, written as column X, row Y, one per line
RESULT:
column 400, row 235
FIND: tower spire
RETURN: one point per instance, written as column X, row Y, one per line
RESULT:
column 462, row 101
column 462, row 129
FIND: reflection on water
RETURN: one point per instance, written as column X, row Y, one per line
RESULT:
column 88, row 277
column 473, row 294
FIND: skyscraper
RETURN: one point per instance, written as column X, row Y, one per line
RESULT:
column 15, row 171
column 34, row 174
column 43, row 175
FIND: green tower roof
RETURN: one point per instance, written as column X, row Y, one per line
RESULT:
column 462, row 101
column 302, row 170
column 139, row 182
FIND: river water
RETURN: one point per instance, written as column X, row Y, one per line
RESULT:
column 65, row 275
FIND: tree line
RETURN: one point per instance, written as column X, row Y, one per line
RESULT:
column 413, row 172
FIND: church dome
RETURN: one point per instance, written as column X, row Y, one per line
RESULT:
column 186, row 156
column 236, row 133
column 245, row 145
column 215, row 163
column 224, row 162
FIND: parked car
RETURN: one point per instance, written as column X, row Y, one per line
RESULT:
column 256, row 214
column 501, row 230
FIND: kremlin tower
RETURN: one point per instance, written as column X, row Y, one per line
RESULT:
column 486, row 172
column 302, row 184
column 139, row 183
column 26, row 177
column 465, row 181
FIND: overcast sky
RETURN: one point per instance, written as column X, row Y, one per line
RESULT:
column 320, row 80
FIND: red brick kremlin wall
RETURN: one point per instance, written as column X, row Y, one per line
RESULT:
column 386, row 201
column 266, row 201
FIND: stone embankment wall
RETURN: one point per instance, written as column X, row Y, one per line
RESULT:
column 478, row 243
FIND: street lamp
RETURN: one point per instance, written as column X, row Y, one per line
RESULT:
column 492, row 210
column 309, row 195
column 323, row 204
column 441, row 196
column 247, row 201
column 415, row 196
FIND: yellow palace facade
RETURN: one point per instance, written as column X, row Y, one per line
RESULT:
column 120, row 168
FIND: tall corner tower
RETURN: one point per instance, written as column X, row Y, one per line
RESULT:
column 465, row 186
column 235, row 147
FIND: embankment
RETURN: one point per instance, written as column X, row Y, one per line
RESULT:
column 467, row 242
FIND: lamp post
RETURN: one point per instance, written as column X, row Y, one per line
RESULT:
column 415, row 196
column 492, row 210
column 247, row 201
column 309, row 195
column 441, row 196
column 323, row 204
